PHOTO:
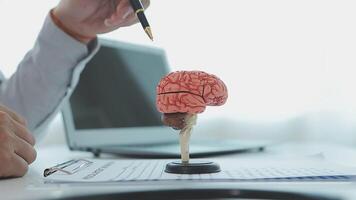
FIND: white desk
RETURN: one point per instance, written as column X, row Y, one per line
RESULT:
column 32, row 187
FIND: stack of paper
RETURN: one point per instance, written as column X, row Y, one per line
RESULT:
column 232, row 170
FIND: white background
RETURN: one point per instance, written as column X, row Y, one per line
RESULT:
column 289, row 65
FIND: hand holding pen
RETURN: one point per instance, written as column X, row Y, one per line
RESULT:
column 85, row 19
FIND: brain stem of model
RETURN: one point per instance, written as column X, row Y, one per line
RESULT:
column 184, row 94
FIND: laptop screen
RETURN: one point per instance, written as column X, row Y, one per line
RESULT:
column 117, row 88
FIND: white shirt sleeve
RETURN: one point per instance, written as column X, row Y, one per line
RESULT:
column 46, row 76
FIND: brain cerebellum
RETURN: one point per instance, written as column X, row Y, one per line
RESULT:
column 190, row 92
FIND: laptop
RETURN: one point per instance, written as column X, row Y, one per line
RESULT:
column 112, row 109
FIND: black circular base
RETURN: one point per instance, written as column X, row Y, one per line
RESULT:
column 193, row 167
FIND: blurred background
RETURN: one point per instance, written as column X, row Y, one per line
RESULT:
column 290, row 66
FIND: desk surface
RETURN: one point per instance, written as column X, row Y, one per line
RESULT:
column 32, row 187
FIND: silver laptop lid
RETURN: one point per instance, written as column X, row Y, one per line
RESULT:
column 114, row 101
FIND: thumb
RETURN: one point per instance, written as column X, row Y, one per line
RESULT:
column 13, row 115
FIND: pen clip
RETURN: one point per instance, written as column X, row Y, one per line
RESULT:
column 70, row 167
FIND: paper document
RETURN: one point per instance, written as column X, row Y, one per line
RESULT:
column 231, row 170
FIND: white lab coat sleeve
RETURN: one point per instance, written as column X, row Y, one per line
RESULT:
column 46, row 76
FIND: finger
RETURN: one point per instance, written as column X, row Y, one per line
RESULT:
column 22, row 132
column 123, row 10
column 18, row 167
column 13, row 115
column 146, row 3
column 24, row 149
column 130, row 21
column 8, row 123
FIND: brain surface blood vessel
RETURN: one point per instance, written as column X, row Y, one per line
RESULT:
column 184, row 94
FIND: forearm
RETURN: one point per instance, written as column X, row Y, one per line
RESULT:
column 46, row 74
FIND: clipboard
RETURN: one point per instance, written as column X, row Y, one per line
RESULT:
column 70, row 167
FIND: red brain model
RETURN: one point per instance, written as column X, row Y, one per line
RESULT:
column 190, row 92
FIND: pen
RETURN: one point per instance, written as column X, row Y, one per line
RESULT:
column 139, row 11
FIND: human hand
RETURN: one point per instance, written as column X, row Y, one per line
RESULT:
column 16, row 145
column 91, row 17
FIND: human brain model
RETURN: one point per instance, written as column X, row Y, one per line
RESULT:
column 184, row 94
